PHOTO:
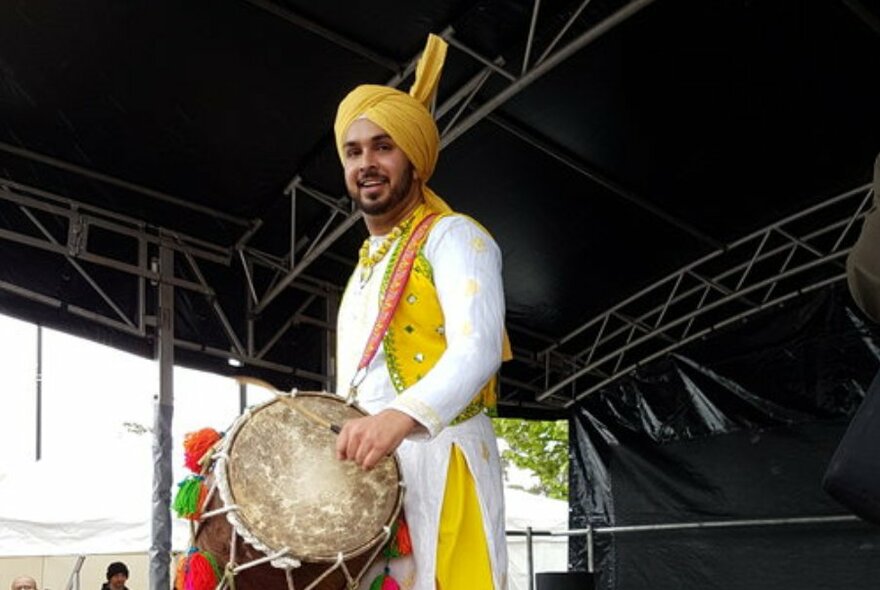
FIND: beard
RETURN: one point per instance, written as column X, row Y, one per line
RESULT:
column 397, row 194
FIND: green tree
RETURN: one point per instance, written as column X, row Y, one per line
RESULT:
column 541, row 447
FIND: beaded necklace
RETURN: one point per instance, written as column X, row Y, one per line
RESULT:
column 367, row 261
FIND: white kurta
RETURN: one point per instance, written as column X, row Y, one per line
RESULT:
column 466, row 265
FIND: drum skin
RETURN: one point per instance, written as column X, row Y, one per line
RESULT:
column 280, row 469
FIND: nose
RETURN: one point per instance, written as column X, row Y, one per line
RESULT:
column 368, row 159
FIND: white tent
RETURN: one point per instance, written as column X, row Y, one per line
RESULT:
column 81, row 505
column 541, row 514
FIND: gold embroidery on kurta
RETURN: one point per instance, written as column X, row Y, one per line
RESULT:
column 471, row 287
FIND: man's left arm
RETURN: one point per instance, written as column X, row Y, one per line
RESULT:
column 466, row 265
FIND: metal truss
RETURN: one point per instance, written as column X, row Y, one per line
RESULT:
column 734, row 282
column 458, row 113
column 289, row 270
column 41, row 210
column 798, row 254
column 340, row 217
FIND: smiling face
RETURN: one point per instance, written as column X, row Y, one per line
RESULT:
column 378, row 176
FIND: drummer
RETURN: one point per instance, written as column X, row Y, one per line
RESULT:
column 426, row 372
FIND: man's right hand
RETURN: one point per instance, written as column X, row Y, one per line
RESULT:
column 367, row 440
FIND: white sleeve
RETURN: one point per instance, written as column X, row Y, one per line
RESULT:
column 466, row 264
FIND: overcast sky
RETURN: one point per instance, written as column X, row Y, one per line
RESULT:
column 90, row 392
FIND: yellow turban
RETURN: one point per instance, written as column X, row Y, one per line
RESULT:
column 405, row 117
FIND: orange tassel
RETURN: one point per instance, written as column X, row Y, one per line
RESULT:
column 404, row 542
column 180, row 573
column 196, row 444
column 400, row 542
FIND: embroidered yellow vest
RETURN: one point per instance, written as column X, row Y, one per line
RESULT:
column 416, row 336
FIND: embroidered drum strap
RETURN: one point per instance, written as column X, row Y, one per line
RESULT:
column 390, row 300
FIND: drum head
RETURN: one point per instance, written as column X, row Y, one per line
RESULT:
column 291, row 491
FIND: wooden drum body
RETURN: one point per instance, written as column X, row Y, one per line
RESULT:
column 283, row 512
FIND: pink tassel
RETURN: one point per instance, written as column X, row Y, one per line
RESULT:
column 385, row 581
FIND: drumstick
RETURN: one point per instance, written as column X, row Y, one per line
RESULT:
column 244, row 380
column 247, row 380
column 317, row 419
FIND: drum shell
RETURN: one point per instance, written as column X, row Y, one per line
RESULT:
column 215, row 533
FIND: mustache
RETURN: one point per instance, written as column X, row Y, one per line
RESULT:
column 371, row 175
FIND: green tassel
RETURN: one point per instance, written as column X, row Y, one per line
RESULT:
column 391, row 549
column 218, row 572
column 377, row 583
column 189, row 491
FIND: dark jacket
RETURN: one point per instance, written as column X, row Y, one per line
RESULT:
column 863, row 262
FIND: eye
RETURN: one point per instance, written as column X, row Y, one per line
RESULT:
column 384, row 147
column 352, row 152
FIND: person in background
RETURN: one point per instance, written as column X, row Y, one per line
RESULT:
column 24, row 583
column 863, row 262
column 853, row 475
column 117, row 575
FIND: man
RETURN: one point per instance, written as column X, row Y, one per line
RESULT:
column 424, row 368
column 853, row 475
column 863, row 262
column 117, row 575
column 24, row 583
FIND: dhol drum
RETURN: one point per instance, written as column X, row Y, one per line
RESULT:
column 282, row 512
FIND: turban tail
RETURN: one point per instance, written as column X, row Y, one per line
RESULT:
column 405, row 117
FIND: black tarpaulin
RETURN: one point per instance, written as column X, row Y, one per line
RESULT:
column 737, row 428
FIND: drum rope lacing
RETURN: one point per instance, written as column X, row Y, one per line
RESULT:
column 247, row 565
column 283, row 558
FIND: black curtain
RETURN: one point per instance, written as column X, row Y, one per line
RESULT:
column 739, row 427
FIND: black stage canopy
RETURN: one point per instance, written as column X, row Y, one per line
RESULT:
column 607, row 145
